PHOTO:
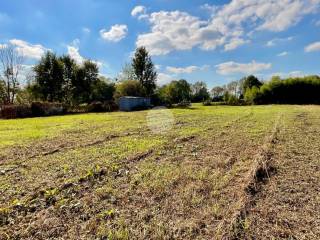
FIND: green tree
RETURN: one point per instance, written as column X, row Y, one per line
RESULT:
column 175, row 92
column 199, row 92
column 144, row 70
column 249, row 82
column 103, row 90
column 69, row 78
column 128, row 88
column 49, row 78
column 86, row 78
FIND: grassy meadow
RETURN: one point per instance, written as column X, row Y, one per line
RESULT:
column 218, row 172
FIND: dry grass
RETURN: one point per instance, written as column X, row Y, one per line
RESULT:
column 106, row 176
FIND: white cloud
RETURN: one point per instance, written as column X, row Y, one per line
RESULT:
column 228, row 68
column 283, row 54
column 164, row 78
column 115, row 34
column 28, row 50
column 73, row 52
column 189, row 69
column 296, row 73
column 276, row 41
column 139, row 11
column 235, row 43
column 86, row 30
column 229, row 26
column 312, row 47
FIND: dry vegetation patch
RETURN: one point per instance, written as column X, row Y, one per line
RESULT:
column 190, row 183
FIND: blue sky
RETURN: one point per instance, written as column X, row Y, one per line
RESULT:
column 213, row 41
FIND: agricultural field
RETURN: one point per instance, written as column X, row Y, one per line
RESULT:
column 214, row 172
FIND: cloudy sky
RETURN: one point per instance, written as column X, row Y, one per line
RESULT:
column 214, row 41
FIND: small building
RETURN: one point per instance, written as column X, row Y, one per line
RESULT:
column 129, row 103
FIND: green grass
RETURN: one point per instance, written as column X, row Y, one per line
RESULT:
column 110, row 175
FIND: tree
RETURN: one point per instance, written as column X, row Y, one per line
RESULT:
column 144, row 70
column 176, row 92
column 11, row 65
column 128, row 88
column 49, row 78
column 103, row 90
column 86, row 78
column 199, row 92
column 232, row 88
column 2, row 92
column 249, row 82
column 69, row 78
column 127, row 73
column 217, row 93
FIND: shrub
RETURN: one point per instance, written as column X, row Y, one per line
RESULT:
column 206, row 103
column 102, row 107
column 184, row 104
column 15, row 111
column 40, row 109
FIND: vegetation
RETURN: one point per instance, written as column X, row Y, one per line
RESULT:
column 11, row 66
column 144, row 71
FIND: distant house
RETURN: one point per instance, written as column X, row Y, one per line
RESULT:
column 128, row 103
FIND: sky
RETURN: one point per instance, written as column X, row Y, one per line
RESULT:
column 214, row 41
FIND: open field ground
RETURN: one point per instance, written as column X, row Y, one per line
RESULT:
column 220, row 172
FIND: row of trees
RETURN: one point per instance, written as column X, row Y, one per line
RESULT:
column 61, row 79
column 250, row 90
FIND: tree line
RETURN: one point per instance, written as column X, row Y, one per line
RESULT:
column 60, row 79
column 250, row 90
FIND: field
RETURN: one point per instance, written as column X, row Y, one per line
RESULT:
column 218, row 172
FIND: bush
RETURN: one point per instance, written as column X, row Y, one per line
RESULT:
column 184, row 104
column 15, row 111
column 102, row 107
column 207, row 103
column 40, row 109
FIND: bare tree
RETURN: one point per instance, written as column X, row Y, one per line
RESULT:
column 10, row 66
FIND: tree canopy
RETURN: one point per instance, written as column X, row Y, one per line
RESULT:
column 144, row 70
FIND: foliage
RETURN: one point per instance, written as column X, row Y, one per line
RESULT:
column 175, row 92
column 303, row 90
column 144, row 70
column 49, row 77
column 128, row 88
column 15, row 111
column 199, row 92
column 249, row 82
column 61, row 79
column 103, row 90
column 40, row 109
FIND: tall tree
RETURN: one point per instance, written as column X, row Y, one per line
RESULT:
column 249, row 82
column 144, row 70
column 49, row 77
column 86, row 78
column 69, row 77
column 11, row 65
